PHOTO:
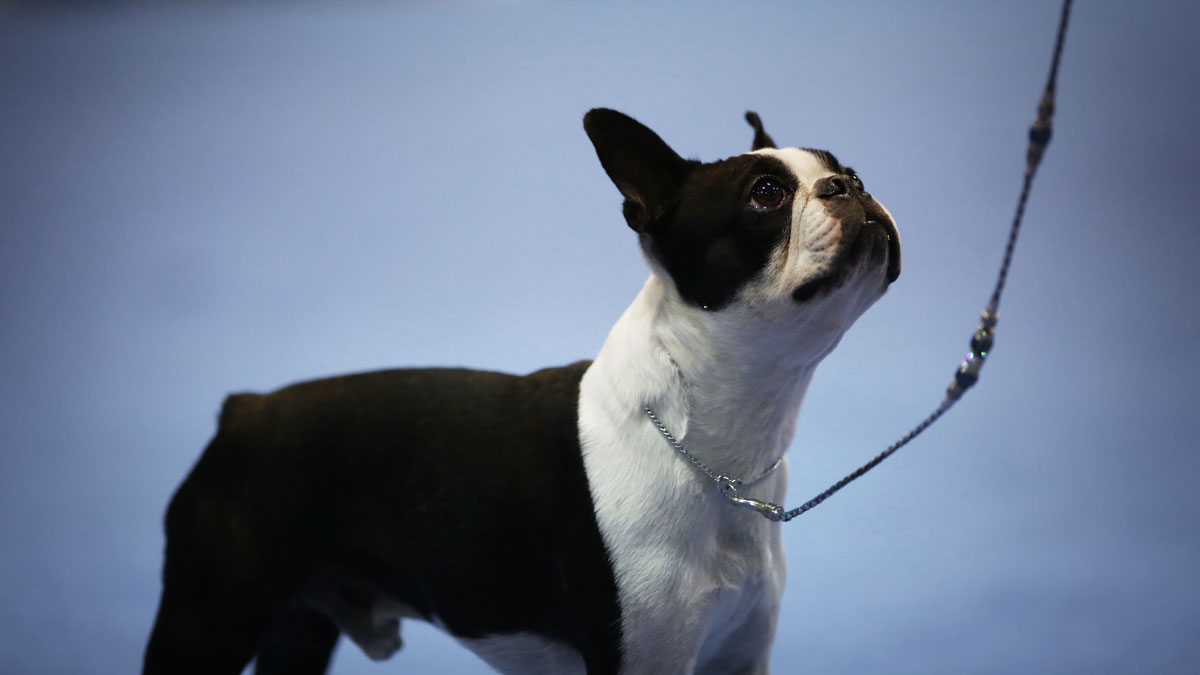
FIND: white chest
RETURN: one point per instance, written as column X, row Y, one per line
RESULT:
column 698, row 578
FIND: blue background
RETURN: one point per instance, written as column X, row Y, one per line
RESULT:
column 204, row 198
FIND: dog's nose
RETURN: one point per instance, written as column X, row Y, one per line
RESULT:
column 834, row 186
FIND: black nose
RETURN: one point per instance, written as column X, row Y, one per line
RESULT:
column 833, row 186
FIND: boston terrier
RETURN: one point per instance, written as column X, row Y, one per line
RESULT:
column 546, row 521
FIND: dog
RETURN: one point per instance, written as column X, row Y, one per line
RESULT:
column 544, row 520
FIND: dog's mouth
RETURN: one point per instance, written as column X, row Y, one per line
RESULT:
column 892, row 241
column 872, row 242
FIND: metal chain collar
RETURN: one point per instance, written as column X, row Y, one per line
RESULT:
column 981, row 341
column 728, row 485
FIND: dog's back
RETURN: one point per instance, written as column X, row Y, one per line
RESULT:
column 453, row 494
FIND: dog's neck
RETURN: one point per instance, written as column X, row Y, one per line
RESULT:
column 728, row 384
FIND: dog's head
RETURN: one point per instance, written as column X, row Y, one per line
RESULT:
column 791, row 230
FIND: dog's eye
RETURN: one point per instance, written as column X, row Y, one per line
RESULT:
column 768, row 193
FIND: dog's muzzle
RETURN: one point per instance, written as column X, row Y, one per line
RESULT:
column 861, row 217
column 868, row 235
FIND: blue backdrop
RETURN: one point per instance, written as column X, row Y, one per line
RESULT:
column 203, row 198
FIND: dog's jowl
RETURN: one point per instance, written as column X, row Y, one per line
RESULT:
column 542, row 520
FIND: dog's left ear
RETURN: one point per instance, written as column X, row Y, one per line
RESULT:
column 761, row 138
column 642, row 166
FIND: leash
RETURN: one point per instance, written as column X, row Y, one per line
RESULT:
column 981, row 340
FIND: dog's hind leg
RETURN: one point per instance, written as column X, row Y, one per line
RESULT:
column 198, row 632
column 300, row 642
column 222, row 583
column 213, row 613
column 208, row 622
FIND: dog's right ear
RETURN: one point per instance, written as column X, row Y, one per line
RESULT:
column 643, row 167
column 761, row 138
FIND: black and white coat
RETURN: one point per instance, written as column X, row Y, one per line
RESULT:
column 542, row 519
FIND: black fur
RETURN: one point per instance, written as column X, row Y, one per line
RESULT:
column 299, row 642
column 459, row 493
column 761, row 138
column 693, row 218
column 696, row 219
column 714, row 242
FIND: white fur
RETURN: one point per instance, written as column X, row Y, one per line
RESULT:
column 375, row 628
column 526, row 654
column 700, row 579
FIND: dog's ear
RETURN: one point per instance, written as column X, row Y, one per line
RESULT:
column 643, row 167
column 761, row 138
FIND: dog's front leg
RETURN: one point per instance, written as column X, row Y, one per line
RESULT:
column 665, row 648
column 721, row 630
column 746, row 650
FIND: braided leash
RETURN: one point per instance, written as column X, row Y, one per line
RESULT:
column 981, row 341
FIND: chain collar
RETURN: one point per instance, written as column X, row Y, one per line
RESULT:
column 726, row 484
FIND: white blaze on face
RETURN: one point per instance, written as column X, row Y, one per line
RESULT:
column 812, row 241
column 807, row 167
column 809, row 253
